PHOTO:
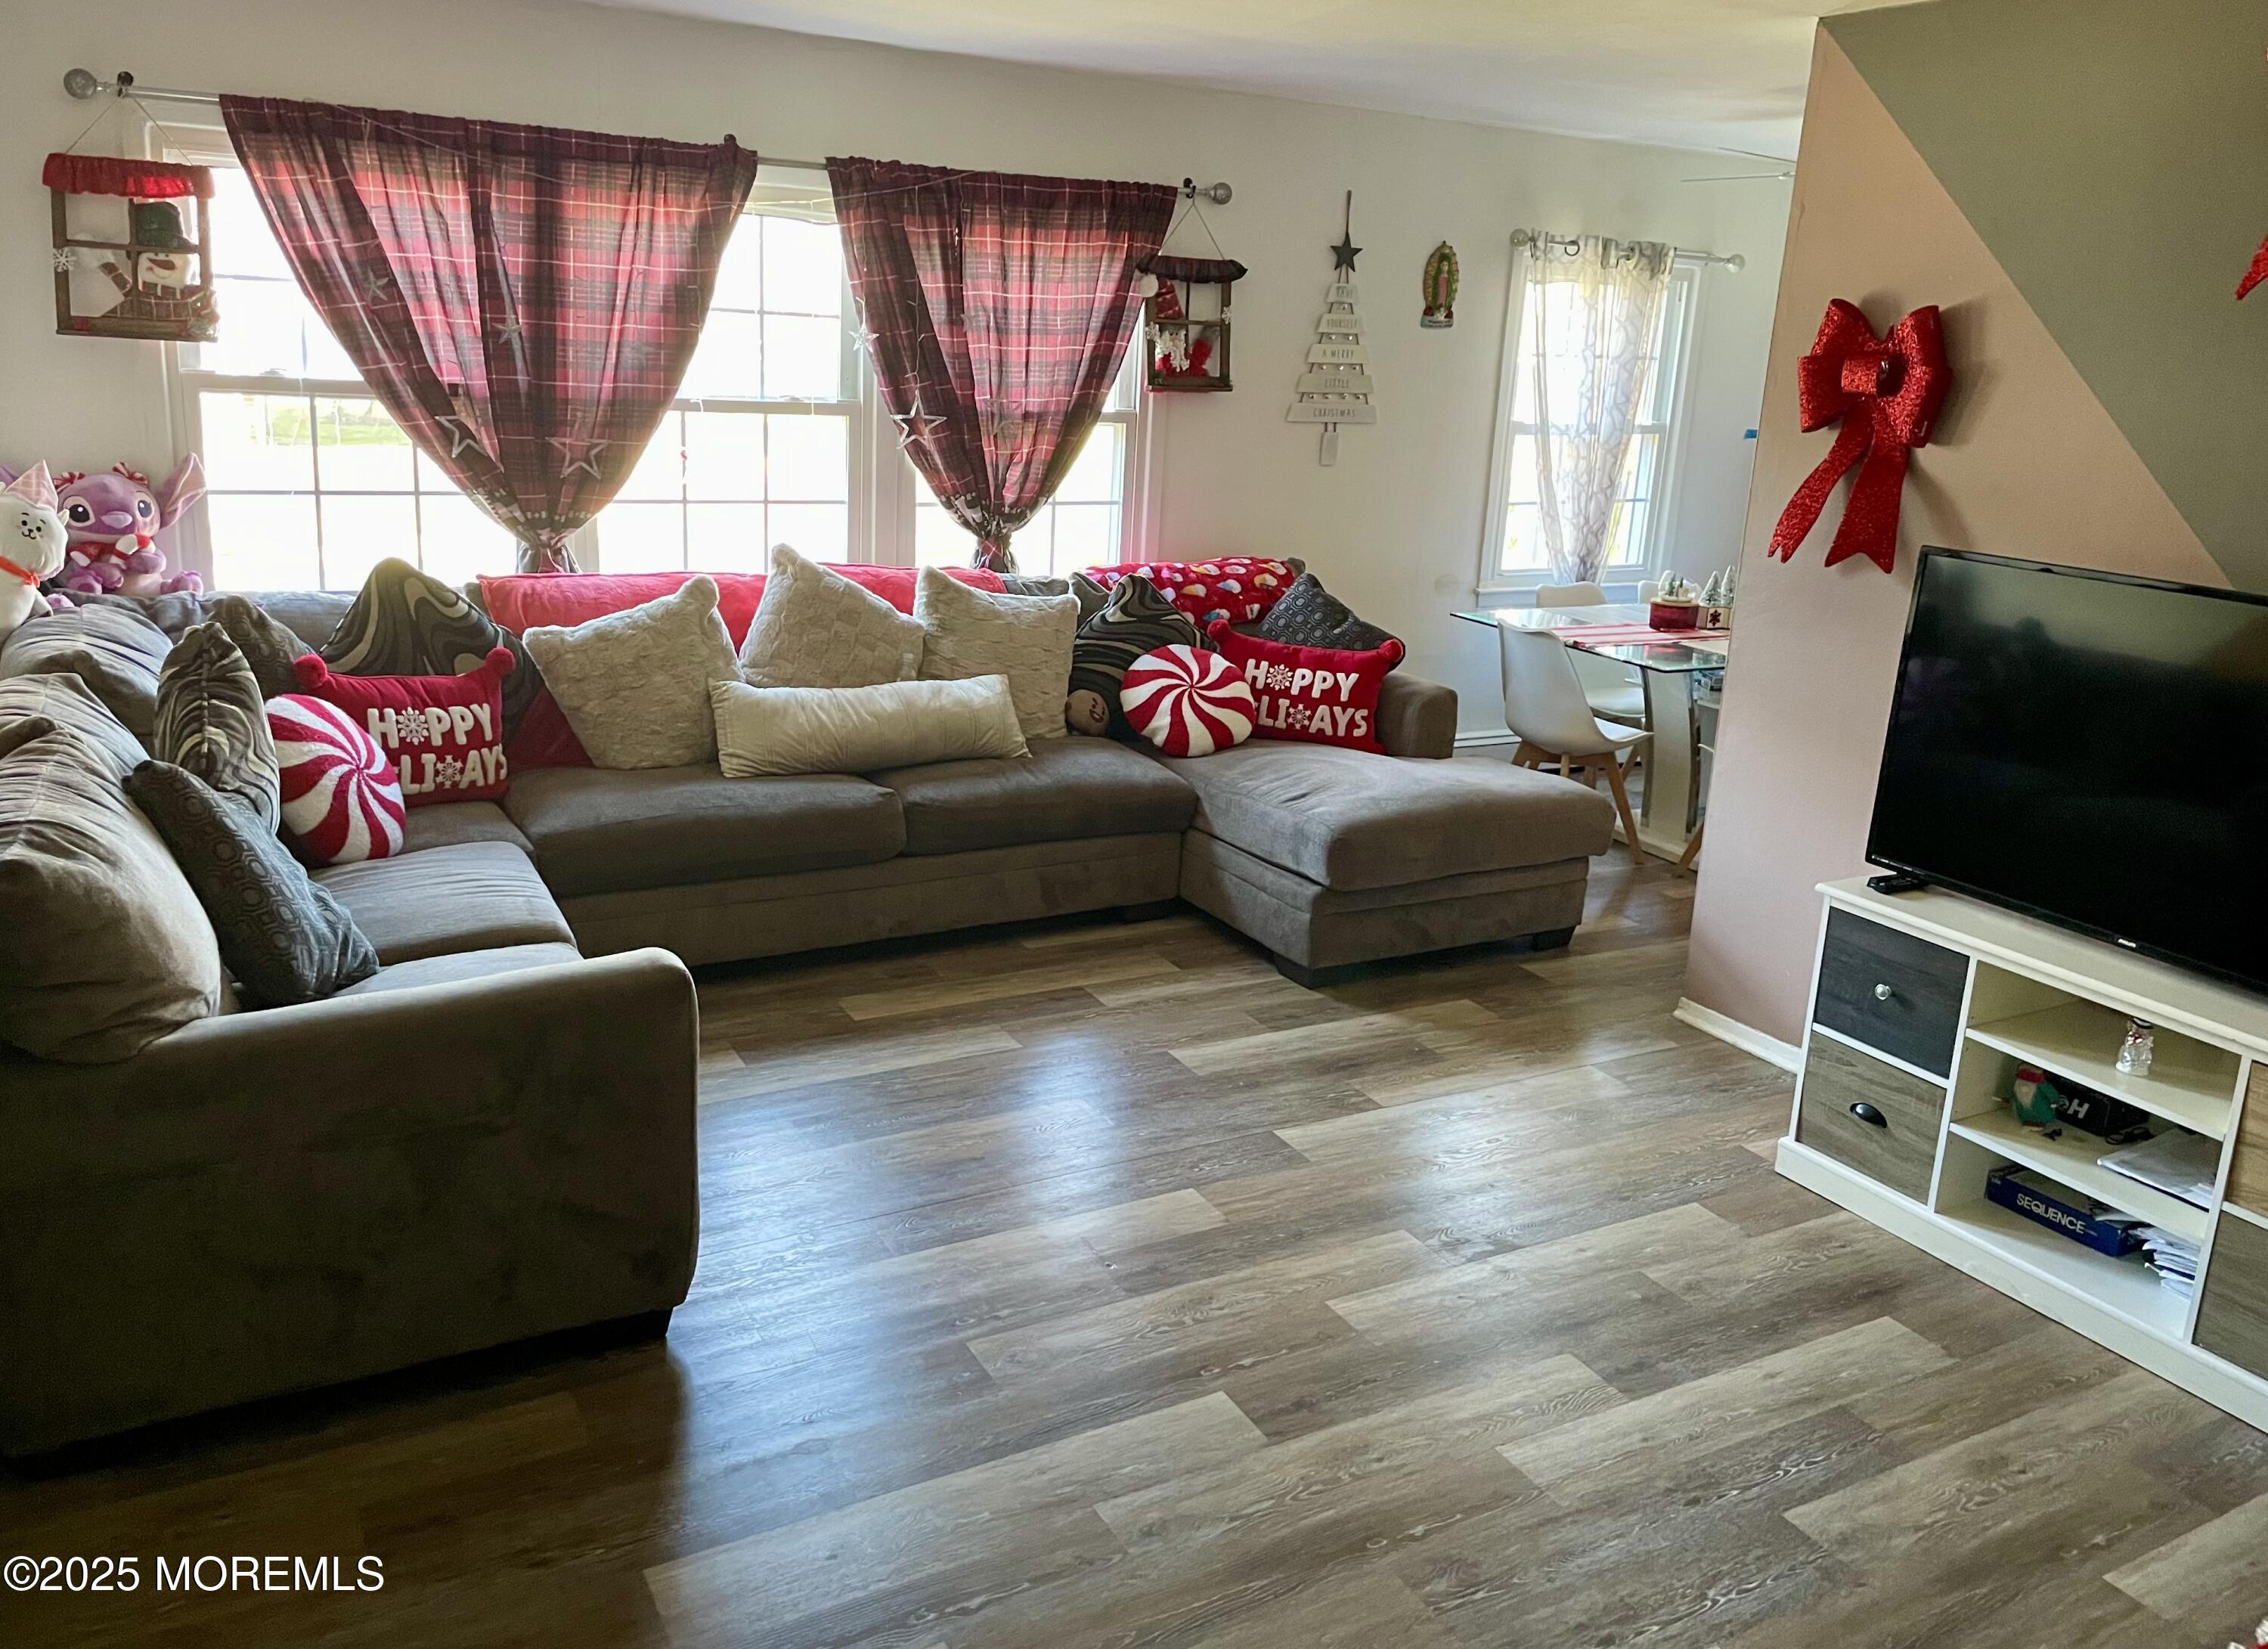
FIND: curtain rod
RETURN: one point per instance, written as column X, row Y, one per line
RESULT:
column 84, row 84
column 1734, row 261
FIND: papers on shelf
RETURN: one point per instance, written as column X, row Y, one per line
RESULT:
column 2174, row 1260
column 2178, row 1163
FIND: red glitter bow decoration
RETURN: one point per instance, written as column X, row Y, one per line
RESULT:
column 1887, row 391
column 2256, row 273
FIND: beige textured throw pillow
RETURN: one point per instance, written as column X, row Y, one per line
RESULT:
column 765, row 730
column 635, row 686
column 814, row 628
column 1027, row 638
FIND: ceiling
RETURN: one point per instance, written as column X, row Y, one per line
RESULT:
column 1705, row 74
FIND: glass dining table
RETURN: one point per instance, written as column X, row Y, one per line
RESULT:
column 1683, row 677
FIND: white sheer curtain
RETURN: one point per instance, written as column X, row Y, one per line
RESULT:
column 1590, row 309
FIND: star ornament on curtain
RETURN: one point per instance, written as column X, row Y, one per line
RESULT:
column 865, row 337
column 460, row 433
column 914, row 424
column 580, row 453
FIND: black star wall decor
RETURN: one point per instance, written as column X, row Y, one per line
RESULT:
column 1344, row 253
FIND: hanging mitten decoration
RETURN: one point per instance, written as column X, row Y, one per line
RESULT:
column 1887, row 391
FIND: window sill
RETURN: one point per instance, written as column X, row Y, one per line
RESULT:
column 1622, row 589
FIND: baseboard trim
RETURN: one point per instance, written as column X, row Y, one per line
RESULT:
column 1486, row 736
column 1746, row 1038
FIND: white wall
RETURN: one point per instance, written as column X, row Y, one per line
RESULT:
column 1395, row 528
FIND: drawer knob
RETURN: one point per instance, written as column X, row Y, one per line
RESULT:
column 1867, row 1114
column 1883, row 993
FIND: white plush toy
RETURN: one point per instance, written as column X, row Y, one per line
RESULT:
column 32, row 540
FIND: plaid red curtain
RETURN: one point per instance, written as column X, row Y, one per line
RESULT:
column 996, row 310
column 523, row 300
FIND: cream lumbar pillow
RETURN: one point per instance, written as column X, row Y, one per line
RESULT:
column 1027, row 638
column 814, row 628
column 770, row 730
column 635, row 685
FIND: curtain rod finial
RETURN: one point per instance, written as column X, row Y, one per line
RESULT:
column 82, row 84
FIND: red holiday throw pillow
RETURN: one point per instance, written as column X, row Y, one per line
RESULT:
column 1238, row 588
column 444, row 734
column 1320, row 695
column 1187, row 701
column 342, row 801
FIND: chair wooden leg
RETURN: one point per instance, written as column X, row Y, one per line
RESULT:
column 1621, row 805
column 1693, row 848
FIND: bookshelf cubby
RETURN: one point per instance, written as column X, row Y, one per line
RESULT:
column 2032, row 994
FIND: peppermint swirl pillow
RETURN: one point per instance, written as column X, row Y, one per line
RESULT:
column 1187, row 702
column 341, row 798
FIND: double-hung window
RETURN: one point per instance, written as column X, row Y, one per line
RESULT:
column 758, row 448
column 1638, row 527
column 1085, row 524
column 310, row 483
column 777, row 434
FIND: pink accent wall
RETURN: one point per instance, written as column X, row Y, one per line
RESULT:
column 2024, row 463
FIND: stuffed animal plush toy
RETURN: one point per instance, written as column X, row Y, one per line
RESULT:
column 1086, row 714
column 114, row 519
column 32, row 543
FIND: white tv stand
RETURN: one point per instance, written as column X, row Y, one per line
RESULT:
column 1922, row 1007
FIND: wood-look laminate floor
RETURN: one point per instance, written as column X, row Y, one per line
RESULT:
column 1090, row 1285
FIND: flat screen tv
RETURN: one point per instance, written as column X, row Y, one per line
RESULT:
column 2087, row 749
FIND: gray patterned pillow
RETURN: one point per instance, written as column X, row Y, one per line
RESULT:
column 407, row 622
column 1309, row 616
column 267, row 645
column 1136, row 619
column 212, row 720
column 1091, row 595
column 814, row 628
column 285, row 939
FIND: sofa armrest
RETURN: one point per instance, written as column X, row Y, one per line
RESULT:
column 263, row 1202
column 1417, row 716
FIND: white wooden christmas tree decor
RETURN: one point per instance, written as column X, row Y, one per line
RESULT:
column 1335, row 388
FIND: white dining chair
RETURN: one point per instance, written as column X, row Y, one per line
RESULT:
column 1544, row 703
column 1614, row 690
column 1647, row 590
column 1585, row 594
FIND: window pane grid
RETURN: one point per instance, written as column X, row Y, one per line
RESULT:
column 312, row 482
column 1631, row 520
column 717, row 489
column 1081, row 526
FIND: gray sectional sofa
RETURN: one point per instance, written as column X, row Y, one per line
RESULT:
column 1326, row 856
column 493, row 1138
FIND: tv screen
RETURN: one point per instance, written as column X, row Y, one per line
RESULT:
column 2087, row 748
